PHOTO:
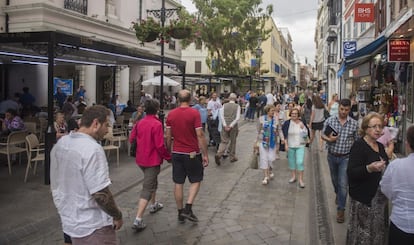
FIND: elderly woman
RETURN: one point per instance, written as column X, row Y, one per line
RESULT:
column 269, row 130
column 398, row 185
column 296, row 134
column 150, row 153
column 11, row 122
column 368, row 221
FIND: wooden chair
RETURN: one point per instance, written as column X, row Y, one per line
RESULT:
column 109, row 146
column 117, row 137
column 15, row 144
column 35, row 153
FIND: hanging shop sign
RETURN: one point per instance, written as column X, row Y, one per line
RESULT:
column 398, row 50
column 364, row 12
column 349, row 48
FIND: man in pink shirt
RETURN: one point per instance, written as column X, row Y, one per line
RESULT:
column 186, row 137
column 150, row 153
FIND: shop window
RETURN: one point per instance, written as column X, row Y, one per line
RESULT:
column 197, row 66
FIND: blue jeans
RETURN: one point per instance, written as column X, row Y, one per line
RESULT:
column 337, row 167
column 250, row 112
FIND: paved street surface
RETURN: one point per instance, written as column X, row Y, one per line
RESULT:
column 232, row 205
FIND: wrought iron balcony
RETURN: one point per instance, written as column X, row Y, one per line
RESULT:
column 80, row 6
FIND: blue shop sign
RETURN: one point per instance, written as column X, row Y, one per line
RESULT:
column 350, row 47
column 66, row 85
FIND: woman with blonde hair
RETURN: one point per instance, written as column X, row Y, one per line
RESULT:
column 368, row 209
column 296, row 135
column 333, row 105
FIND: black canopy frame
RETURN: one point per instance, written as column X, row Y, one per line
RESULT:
column 57, row 48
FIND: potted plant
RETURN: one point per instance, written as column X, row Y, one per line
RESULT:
column 180, row 28
column 147, row 30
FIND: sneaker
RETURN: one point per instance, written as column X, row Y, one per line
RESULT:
column 157, row 206
column 189, row 215
column 138, row 225
column 181, row 218
column 271, row 175
column 265, row 181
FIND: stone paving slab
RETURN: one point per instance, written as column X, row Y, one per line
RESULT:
column 232, row 206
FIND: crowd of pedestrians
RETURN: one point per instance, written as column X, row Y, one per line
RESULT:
column 359, row 161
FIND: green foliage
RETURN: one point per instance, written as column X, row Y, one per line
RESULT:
column 230, row 28
column 145, row 28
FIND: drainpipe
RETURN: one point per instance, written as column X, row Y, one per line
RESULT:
column 7, row 18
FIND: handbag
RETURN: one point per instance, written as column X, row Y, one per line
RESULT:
column 326, row 113
column 133, row 148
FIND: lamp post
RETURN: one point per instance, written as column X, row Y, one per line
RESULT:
column 162, row 14
column 259, row 53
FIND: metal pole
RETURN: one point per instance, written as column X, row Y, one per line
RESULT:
column 161, row 113
column 50, row 134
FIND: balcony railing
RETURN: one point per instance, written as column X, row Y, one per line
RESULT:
column 80, row 6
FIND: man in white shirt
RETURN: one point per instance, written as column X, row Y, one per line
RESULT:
column 80, row 182
column 229, row 116
column 213, row 107
column 270, row 98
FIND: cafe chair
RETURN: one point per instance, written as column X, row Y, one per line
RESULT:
column 35, row 153
column 15, row 143
column 109, row 146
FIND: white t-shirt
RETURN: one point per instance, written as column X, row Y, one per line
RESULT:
column 78, row 169
column 295, row 133
column 214, row 106
column 270, row 99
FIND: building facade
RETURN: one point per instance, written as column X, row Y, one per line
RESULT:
column 106, row 21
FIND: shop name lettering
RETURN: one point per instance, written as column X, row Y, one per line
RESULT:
column 350, row 46
column 364, row 12
column 400, row 43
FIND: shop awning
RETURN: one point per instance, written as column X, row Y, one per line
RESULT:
column 366, row 52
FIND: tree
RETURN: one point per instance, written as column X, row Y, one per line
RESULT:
column 230, row 29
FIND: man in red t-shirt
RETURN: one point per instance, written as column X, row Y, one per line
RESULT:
column 185, row 135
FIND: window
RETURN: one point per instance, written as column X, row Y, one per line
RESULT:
column 403, row 3
column 197, row 67
column 198, row 45
column 171, row 44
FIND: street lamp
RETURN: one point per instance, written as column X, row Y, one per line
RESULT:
column 259, row 53
column 162, row 14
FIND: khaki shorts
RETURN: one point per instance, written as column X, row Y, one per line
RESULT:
column 103, row 236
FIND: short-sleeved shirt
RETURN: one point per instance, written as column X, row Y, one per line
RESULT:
column 183, row 122
column 78, row 169
column 214, row 106
column 347, row 134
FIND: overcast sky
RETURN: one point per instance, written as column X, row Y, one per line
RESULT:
column 299, row 16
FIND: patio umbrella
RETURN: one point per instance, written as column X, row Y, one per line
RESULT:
column 156, row 81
